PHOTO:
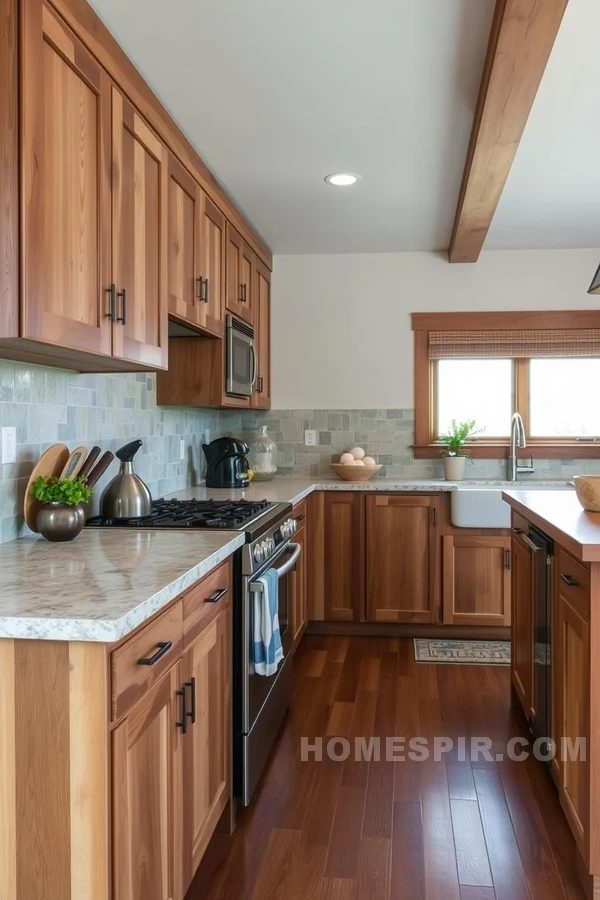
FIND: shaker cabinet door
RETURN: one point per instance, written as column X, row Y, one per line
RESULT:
column 185, row 286
column 212, row 256
column 146, row 796
column 139, row 239
column 65, row 106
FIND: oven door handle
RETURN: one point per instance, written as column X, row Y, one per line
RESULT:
column 291, row 563
column 256, row 586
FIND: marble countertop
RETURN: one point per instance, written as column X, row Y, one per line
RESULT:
column 561, row 517
column 104, row 584
column 290, row 489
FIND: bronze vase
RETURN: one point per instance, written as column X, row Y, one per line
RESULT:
column 60, row 522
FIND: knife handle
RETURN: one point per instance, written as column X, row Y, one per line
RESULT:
column 100, row 468
column 89, row 462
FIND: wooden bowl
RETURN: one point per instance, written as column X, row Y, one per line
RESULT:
column 354, row 473
column 587, row 488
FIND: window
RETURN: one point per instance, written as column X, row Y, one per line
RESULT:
column 564, row 398
column 480, row 389
column 486, row 366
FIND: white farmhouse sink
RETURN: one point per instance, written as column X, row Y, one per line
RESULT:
column 480, row 505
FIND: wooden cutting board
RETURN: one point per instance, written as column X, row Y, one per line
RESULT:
column 52, row 462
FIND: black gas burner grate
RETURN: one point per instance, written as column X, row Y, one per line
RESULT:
column 191, row 514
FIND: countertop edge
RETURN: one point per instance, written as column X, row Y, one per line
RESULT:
column 109, row 631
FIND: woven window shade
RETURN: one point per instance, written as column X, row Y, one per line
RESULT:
column 538, row 343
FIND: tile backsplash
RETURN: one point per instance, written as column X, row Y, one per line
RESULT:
column 48, row 405
column 386, row 434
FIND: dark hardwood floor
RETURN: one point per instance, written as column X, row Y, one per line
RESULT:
column 389, row 830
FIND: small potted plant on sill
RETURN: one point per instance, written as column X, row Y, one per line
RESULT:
column 455, row 455
column 60, row 516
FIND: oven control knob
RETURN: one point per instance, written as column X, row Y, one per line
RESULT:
column 259, row 553
column 269, row 546
column 293, row 526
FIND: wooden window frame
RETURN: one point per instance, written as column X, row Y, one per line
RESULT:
column 424, row 380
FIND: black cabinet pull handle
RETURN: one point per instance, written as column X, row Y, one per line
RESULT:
column 199, row 288
column 191, row 684
column 214, row 598
column 570, row 581
column 243, row 290
column 261, row 384
column 508, row 559
column 300, row 518
column 112, row 310
column 183, row 723
column 205, row 290
column 123, row 295
column 162, row 648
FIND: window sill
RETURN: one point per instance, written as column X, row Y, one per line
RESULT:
column 570, row 450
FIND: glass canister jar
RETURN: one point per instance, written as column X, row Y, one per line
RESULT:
column 263, row 456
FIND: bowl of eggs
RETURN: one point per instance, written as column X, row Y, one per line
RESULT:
column 355, row 466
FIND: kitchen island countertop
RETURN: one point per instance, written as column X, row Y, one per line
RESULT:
column 562, row 518
column 104, row 584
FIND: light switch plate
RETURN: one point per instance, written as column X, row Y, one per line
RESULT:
column 182, row 449
column 9, row 445
column 310, row 439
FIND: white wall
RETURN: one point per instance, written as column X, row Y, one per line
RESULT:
column 341, row 324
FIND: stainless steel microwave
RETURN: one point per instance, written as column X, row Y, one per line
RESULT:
column 241, row 360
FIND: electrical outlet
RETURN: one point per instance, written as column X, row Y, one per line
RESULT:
column 182, row 449
column 310, row 439
column 9, row 445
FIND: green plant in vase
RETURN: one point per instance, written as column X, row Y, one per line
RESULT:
column 60, row 516
column 455, row 452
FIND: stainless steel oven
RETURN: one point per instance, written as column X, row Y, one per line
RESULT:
column 264, row 699
column 241, row 359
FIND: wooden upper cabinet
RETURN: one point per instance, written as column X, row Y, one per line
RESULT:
column 402, row 558
column 139, row 240
column 196, row 236
column 147, row 794
column 344, row 556
column 212, row 257
column 261, row 399
column 206, row 746
column 476, row 580
column 522, row 624
column 66, row 216
column 184, row 277
column 239, row 286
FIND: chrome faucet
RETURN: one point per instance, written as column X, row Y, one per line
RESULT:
column 517, row 439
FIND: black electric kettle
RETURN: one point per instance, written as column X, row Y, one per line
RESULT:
column 226, row 463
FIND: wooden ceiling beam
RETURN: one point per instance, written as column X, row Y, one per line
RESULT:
column 521, row 39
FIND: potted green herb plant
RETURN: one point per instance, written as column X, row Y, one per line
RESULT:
column 455, row 454
column 60, row 516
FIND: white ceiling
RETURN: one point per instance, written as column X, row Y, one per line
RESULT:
column 552, row 197
column 276, row 94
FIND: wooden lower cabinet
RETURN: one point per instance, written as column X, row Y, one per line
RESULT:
column 522, row 624
column 344, row 556
column 476, row 580
column 572, row 711
column 402, row 558
column 147, row 795
column 207, row 743
column 300, row 589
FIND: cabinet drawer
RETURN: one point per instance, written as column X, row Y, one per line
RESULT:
column 202, row 603
column 299, row 513
column 574, row 582
column 142, row 660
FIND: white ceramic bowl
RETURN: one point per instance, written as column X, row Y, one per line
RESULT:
column 354, row 473
column 587, row 488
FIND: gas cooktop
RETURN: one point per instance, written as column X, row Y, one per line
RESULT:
column 234, row 515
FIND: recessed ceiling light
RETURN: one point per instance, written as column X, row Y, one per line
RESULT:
column 342, row 179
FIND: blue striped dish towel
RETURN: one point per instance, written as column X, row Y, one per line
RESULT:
column 268, row 651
